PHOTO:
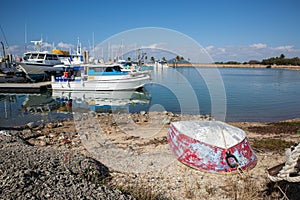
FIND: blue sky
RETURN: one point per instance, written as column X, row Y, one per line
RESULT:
column 228, row 30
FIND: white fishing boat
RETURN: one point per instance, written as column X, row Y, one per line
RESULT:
column 38, row 64
column 98, row 77
column 42, row 58
column 39, row 57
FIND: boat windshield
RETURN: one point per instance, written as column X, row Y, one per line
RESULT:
column 27, row 55
column 34, row 56
column 100, row 70
column 41, row 56
column 51, row 57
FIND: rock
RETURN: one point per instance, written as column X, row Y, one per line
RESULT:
column 31, row 125
column 51, row 125
column 41, row 173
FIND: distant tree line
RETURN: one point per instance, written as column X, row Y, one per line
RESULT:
column 281, row 60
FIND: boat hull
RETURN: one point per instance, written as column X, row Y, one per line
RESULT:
column 100, row 85
column 203, row 156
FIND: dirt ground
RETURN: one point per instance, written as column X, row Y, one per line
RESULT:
column 136, row 151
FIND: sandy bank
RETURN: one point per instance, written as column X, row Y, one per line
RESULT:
column 97, row 136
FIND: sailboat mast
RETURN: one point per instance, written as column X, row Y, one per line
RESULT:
column 25, row 39
column 93, row 45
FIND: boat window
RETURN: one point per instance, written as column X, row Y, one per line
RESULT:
column 26, row 56
column 51, row 57
column 48, row 57
column 117, row 68
column 98, row 69
column 108, row 69
column 41, row 56
column 34, row 56
column 54, row 57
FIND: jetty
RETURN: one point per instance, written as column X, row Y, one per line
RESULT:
column 25, row 87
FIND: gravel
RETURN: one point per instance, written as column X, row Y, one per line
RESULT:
column 31, row 172
column 94, row 154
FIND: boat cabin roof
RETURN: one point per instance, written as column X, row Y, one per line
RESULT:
column 39, row 52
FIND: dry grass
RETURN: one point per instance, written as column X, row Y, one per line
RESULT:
column 141, row 192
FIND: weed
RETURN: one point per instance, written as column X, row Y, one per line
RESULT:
column 245, row 189
column 189, row 194
column 271, row 144
column 141, row 192
column 209, row 190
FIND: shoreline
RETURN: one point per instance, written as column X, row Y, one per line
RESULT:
column 236, row 66
column 81, row 158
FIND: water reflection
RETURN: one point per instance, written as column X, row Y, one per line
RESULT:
column 102, row 101
column 20, row 109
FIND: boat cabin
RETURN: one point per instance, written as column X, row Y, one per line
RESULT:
column 94, row 70
column 41, row 58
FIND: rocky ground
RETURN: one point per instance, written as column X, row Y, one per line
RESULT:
column 119, row 156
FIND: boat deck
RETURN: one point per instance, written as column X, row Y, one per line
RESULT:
column 25, row 87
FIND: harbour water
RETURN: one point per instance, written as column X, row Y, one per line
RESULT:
column 237, row 94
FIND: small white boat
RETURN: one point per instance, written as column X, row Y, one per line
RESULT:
column 98, row 77
column 160, row 64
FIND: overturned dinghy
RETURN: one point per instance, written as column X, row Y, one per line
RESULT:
column 211, row 145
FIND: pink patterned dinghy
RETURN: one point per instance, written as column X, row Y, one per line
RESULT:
column 211, row 146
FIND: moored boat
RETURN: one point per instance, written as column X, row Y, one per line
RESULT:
column 98, row 77
column 40, row 57
column 211, row 145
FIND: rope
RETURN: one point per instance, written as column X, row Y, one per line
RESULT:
column 238, row 167
column 289, row 168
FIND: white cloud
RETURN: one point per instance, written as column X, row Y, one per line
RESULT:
column 258, row 46
column 285, row 48
column 223, row 50
column 47, row 45
column 65, row 45
column 154, row 46
column 257, row 51
column 208, row 48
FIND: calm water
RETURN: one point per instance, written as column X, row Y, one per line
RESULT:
column 235, row 94
column 251, row 94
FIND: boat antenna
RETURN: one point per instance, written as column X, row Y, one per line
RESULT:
column 25, row 35
column 94, row 45
column 78, row 50
column 4, row 36
column 3, row 49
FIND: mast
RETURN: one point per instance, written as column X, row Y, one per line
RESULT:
column 93, row 45
column 25, row 39
column 122, row 50
column 78, row 48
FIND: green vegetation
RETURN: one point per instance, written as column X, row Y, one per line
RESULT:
column 281, row 60
column 229, row 63
column 271, row 144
